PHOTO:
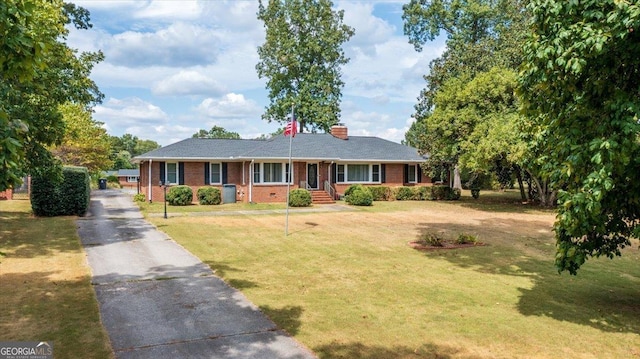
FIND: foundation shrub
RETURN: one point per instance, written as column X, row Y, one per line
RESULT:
column 180, row 196
column 407, row 193
column 300, row 197
column 209, row 196
column 380, row 193
column 358, row 195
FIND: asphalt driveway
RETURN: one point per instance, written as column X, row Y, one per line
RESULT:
column 157, row 300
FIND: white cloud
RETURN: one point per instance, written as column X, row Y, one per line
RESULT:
column 178, row 45
column 128, row 112
column 370, row 30
column 183, row 10
column 228, row 107
column 188, row 82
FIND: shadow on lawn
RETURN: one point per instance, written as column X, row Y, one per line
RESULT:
column 601, row 296
column 25, row 236
column 222, row 269
column 359, row 350
column 287, row 318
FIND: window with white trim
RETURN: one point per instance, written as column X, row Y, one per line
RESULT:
column 358, row 173
column 270, row 172
column 171, row 174
column 413, row 174
column 215, row 174
column 132, row 178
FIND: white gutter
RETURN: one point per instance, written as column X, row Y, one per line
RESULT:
column 243, row 180
column 150, row 193
column 251, row 181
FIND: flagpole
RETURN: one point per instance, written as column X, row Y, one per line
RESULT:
column 293, row 128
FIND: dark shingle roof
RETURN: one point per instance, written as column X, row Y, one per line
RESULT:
column 134, row 172
column 303, row 146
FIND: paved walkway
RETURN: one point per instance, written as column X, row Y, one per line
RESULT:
column 157, row 300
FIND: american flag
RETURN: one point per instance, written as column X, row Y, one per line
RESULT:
column 291, row 128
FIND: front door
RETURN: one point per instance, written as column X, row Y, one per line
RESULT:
column 312, row 175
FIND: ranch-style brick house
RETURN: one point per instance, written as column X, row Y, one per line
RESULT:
column 257, row 170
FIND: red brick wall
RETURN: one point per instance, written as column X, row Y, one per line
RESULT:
column 6, row 195
column 260, row 193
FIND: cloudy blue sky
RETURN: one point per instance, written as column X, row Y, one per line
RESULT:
column 173, row 67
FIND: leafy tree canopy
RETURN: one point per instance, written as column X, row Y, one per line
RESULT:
column 481, row 34
column 580, row 86
column 38, row 73
column 85, row 142
column 301, row 59
column 216, row 132
column 127, row 146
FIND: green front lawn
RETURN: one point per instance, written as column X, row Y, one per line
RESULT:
column 45, row 285
column 347, row 285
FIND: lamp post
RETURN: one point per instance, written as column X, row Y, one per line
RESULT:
column 164, row 187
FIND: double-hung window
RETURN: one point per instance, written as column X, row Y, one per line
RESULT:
column 132, row 179
column 172, row 173
column 215, row 173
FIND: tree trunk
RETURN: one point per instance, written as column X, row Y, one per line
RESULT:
column 518, row 172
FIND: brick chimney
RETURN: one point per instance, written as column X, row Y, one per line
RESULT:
column 340, row 131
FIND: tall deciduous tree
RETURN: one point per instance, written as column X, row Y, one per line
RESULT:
column 301, row 59
column 216, row 132
column 38, row 73
column 483, row 40
column 581, row 89
column 85, row 141
column 125, row 147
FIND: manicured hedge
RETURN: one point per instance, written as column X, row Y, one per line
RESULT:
column 358, row 195
column 380, row 193
column 299, row 197
column 209, row 195
column 69, row 197
column 180, row 196
column 426, row 193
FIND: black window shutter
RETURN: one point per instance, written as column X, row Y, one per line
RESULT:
column 334, row 173
column 181, row 173
column 419, row 173
column 383, row 173
column 207, row 168
column 163, row 170
column 405, row 179
column 224, row 173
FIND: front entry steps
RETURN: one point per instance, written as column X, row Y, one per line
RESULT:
column 321, row 197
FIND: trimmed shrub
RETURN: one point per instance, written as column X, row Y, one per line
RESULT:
column 360, row 196
column 425, row 193
column 180, row 196
column 69, row 197
column 352, row 188
column 445, row 193
column 380, row 193
column 406, row 194
column 209, row 196
column 140, row 197
column 299, row 197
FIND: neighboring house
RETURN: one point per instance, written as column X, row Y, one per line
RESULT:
column 258, row 169
column 128, row 178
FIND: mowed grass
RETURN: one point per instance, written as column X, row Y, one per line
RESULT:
column 45, row 289
column 347, row 285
